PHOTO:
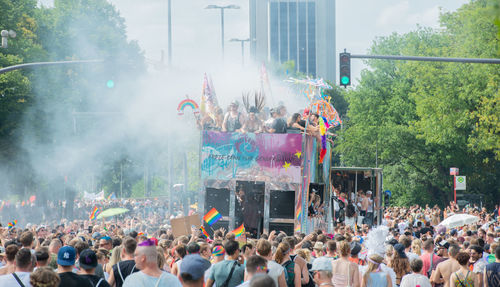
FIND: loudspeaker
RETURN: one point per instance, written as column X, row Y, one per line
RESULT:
column 281, row 204
column 218, row 198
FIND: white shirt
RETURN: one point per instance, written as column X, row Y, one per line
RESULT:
column 9, row 280
column 412, row 280
column 140, row 279
column 275, row 270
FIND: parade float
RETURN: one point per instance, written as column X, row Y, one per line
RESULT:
column 271, row 181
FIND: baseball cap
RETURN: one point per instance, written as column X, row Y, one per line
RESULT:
column 400, row 248
column 96, row 235
column 322, row 264
column 88, row 259
column 66, row 256
column 40, row 228
column 194, row 265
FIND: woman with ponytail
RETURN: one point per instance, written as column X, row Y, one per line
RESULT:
column 282, row 256
column 374, row 277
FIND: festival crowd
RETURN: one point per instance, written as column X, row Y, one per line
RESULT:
column 260, row 119
column 410, row 248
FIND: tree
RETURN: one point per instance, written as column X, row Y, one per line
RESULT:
column 418, row 119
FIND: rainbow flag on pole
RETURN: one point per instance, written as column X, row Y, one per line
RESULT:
column 94, row 213
column 204, row 232
column 239, row 231
column 12, row 224
column 212, row 216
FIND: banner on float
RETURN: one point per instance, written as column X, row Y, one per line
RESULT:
column 248, row 156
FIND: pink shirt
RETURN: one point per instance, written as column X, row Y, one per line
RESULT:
column 426, row 259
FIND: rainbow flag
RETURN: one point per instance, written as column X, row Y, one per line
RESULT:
column 112, row 196
column 239, row 231
column 212, row 216
column 12, row 224
column 94, row 213
column 204, row 232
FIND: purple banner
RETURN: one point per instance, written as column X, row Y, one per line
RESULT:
column 255, row 157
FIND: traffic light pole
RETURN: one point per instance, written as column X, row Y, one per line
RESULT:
column 345, row 62
column 428, row 59
column 41, row 64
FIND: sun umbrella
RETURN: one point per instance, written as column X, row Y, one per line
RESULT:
column 112, row 212
column 457, row 220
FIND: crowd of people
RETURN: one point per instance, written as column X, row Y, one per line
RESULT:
column 255, row 119
column 409, row 249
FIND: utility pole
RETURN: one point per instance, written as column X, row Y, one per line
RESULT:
column 242, row 41
column 222, row 8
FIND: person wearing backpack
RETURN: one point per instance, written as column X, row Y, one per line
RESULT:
column 228, row 273
column 282, row 256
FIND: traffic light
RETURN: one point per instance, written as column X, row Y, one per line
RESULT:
column 110, row 84
column 345, row 69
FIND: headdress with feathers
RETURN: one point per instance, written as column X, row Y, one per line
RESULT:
column 260, row 101
column 376, row 239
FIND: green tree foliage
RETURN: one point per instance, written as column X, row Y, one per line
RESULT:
column 418, row 119
column 37, row 106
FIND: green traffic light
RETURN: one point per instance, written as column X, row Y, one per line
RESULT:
column 344, row 80
column 110, row 84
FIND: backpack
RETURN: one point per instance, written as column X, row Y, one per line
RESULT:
column 310, row 274
column 289, row 273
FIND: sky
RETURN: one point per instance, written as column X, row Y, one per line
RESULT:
column 196, row 31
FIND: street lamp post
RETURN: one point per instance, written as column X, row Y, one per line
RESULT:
column 222, row 8
column 242, row 41
column 5, row 35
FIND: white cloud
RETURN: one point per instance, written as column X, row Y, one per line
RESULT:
column 393, row 15
column 427, row 18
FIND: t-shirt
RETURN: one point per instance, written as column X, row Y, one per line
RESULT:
column 275, row 270
column 127, row 267
column 221, row 270
column 96, row 280
column 279, row 126
column 8, row 280
column 426, row 259
column 140, row 279
column 73, row 280
column 479, row 266
column 412, row 280
column 493, row 274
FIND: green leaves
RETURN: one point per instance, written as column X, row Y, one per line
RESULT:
column 423, row 117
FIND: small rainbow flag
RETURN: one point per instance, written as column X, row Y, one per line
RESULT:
column 212, row 216
column 204, row 232
column 239, row 231
column 94, row 213
column 140, row 233
column 12, row 224
column 112, row 196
